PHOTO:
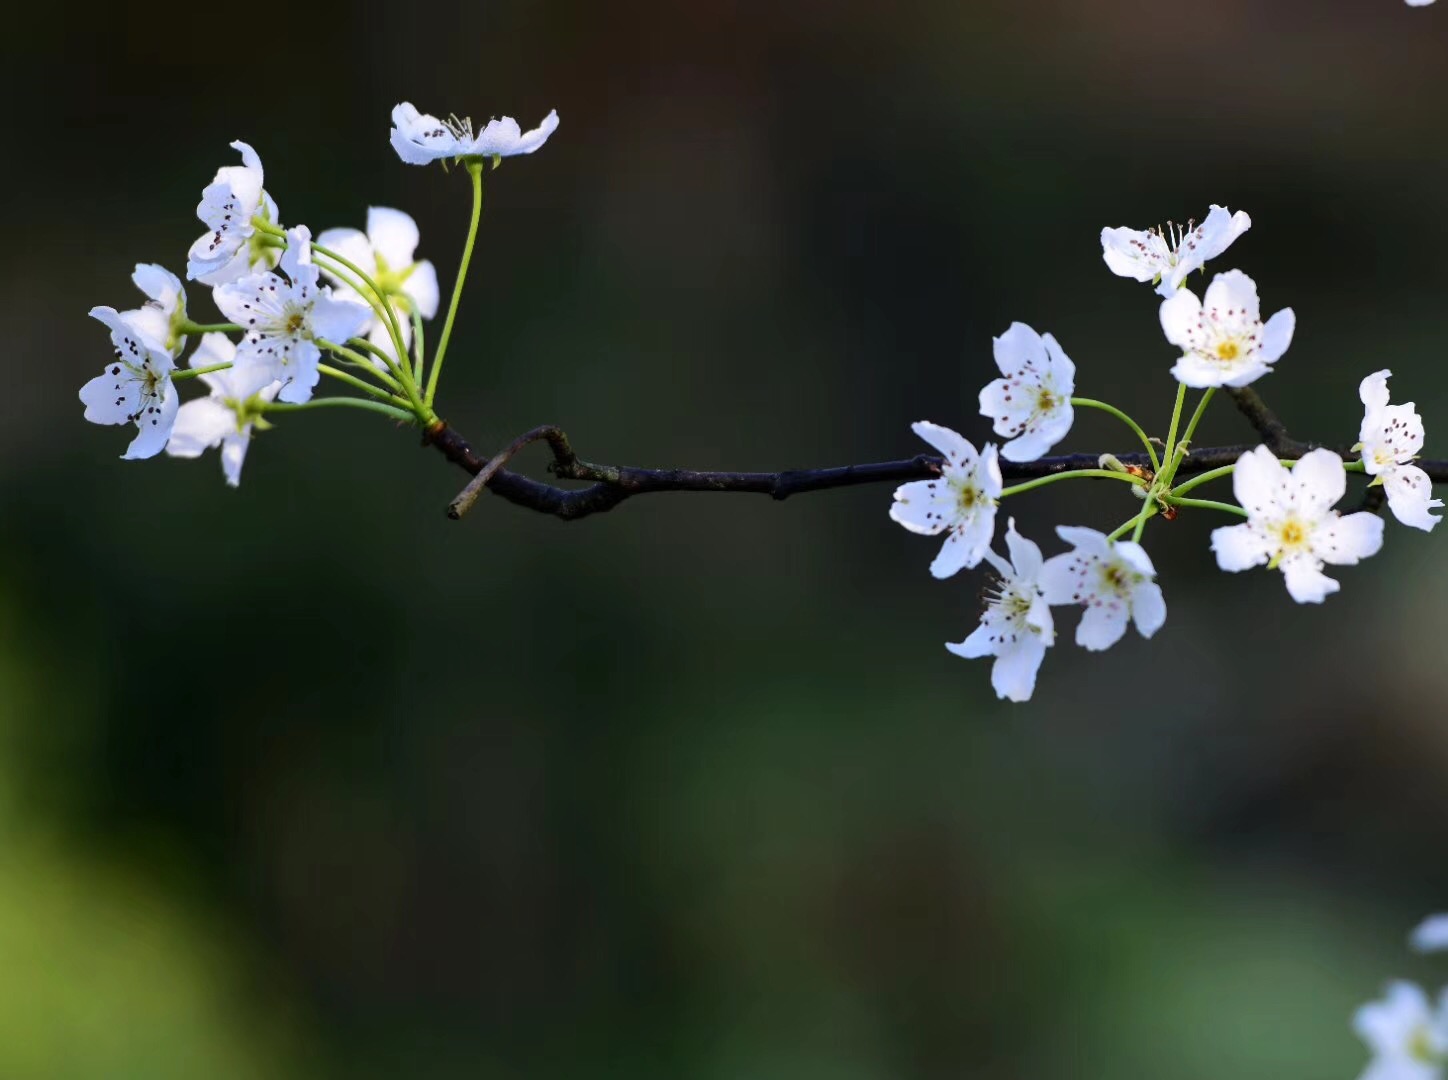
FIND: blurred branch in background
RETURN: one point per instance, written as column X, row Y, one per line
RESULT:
column 612, row 484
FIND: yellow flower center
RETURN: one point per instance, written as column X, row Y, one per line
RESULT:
column 1228, row 350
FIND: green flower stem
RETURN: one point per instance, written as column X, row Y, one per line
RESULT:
column 1140, row 527
column 1071, row 474
column 350, row 402
column 365, row 387
column 1122, row 529
column 418, row 349
column 1181, row 449
column 1197, row 481
column 1208, row 504
column 192, row 372
column 1176, row 419
column 1092, row 403
column 1355, row 466
column 377, row 301
column 475, row 173
column 367, row 346
column 189, row 327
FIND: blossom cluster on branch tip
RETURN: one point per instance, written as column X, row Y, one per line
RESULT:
column 1288, row 507
column 1405, row 1031
column 266, row 280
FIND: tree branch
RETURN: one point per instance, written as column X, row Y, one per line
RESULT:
column 610, row 485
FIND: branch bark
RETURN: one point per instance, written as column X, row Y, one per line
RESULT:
column 609, row 485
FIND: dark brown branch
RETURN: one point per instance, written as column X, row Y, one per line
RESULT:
column 609, row 485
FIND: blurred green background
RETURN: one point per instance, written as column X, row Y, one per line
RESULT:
column 305, row 780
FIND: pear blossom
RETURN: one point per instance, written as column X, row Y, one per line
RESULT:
column 1291, row 524
column 135, row 388
column 232, row 247
column 226, row 417
column 1167, row 256
column 1389, row 439
column 1223, row 339
column 385, row 253
column 1431, row 935
column 1407, row 1034
column 1016, row 626
column 961, row 502
column 1419, row 3
column 1113, row 580
column 420, row 139
column 160, row 319
column 1031, row 402
column 284, row 317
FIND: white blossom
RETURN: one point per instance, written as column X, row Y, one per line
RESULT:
column 283, row 317
column 1291, row 525
column 1407, row 1035
column 1167, row 256
column 227, row 415
column 1113, row 580
column 1222, row 337
column 1016, row 626
column 1031, row 402
column 961, row 502
column 420, row 139
column 385, row 253
column 1390, row 438
column 1431, row 935
column 1419, row 3
column 232, row 248
column 135, row 388
column 160, row 318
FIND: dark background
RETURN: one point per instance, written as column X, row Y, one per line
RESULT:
column 306, row 780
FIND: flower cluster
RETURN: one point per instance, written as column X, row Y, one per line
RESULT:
column 1406, row 1032
column 363, row 328
column 1288, row 506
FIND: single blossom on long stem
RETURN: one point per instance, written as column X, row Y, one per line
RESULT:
column 1031, row 401
column 1407, row 1034
column 232, row 248
column 420, row 139
column 1167, row 256
column 135, row 388
column 1291, row 524
column 1222, row 337
column 1113, row 580
column 228, row 414
column 283, row 317
column 385, row 252
column 1389, row 439
column 1016, row 626
column 961, row 502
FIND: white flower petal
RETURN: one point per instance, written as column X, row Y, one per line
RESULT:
column 352, row 245
column 1258, row 480
column 1090, row 541
column 1135, row 254
column 926, row 507
column 155, row 426
column 394, row 236
column 1431, row 935
column 1025, row 554
column 1318, row 481
column 1018, row 349
column 1388, row 1025
column 200, row 424
column 1101, row 626
column 1373, row 390
column 1240, row 547
column 420, row 138
column 1148, row 608
column 964, row 548
column 957, row 450
column 1347, row 540
column 1306, row 583
column 1135, row 557
column 1276, row 336
column 1179, row 316
column 1410, row 497
column 337, row 319
column 979, row 643
column 421, row 288
column 1013, row 675
column 1235, row 292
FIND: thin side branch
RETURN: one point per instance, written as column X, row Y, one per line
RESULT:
column 609, row 485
